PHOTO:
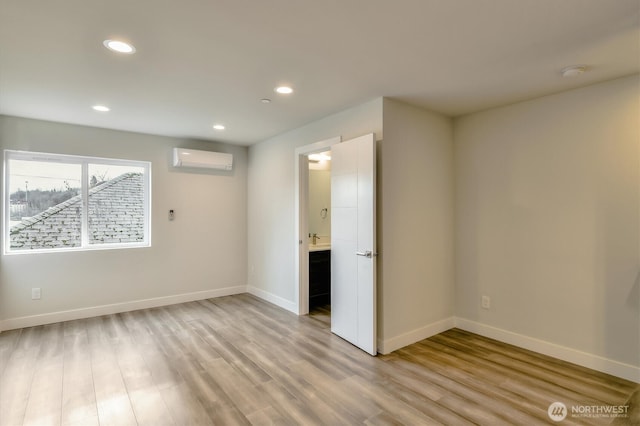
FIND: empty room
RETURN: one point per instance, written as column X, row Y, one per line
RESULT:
column 417, row 212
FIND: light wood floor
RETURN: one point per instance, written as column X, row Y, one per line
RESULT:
column 239, row 360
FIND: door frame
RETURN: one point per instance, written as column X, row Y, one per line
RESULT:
column 302, row 219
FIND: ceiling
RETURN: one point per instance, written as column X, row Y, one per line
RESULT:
column 200, row 62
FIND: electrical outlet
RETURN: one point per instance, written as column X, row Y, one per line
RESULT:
column 486, row 302
column 35, row 294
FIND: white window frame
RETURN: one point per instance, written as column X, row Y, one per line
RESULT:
column 84, row 161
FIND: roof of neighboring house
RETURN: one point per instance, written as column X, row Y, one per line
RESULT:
column 116, row 215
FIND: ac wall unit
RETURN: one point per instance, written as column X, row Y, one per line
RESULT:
column 203, row 159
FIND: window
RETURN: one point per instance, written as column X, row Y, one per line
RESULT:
column 62, row 202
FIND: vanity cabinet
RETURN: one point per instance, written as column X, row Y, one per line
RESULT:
column 319, row 278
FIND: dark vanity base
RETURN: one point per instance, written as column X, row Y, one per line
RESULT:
column 319, row 278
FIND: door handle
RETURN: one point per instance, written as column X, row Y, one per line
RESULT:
column 367, row 253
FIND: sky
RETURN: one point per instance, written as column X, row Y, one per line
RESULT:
column 47, row 176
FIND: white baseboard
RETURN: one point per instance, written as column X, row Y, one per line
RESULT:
column 272, row 298
column 41, row 319
column 595, row 362
column 390, row 345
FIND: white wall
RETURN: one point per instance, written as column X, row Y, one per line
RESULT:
column 547, row 203
column 271, row 217
column 415, row 225
column 203, row 251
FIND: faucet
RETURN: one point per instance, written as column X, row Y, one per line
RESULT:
column 314, row 238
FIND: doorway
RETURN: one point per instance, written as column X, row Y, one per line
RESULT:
column 319, row 233
column 302, row 219
column 353, row 237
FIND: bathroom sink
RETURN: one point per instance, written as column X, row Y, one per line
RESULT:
column 320, row 247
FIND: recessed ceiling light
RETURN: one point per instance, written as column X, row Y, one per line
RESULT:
column 101, row 108
column 573, row 71
column 119, row 46
column 322, row 156
column 218, row 126
column 284, row 90
column 265, row 100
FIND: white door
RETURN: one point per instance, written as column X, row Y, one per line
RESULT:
column 353, row 241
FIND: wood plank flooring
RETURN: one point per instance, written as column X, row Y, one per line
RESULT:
column 238, row 360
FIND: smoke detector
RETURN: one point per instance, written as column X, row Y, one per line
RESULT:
column 573, row 71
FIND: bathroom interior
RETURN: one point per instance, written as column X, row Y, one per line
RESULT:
column 320, row 234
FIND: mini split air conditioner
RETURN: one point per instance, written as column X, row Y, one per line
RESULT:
column 202, row 159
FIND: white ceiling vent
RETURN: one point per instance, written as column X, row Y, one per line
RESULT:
column 202, row 159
